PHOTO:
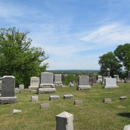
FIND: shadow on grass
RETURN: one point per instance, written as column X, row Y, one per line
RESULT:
column 127, row 115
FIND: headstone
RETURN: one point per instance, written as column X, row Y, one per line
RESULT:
column 122, row 97
column 126, row 127
column 46, row 83
column 7, row 91
column 21, row 87
column 15, row 111
column 64, row 121
column 107, row 100
column 110, row 83
column 83, row 83
column 68, row 96
column 34, row 83
column 58, row 80
column 34, row 98
column 99, row 79
column 94, row 81
column 78, row 102
column 117, row 78
column 54, row 97
column 44, row 105
column 71, row 84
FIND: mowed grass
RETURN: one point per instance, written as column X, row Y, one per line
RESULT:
column 93, row 114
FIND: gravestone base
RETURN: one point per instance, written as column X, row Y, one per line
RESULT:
column 46, row 90
column 33, row 87
column 58, row 84
column 46, row 86
column 8, row 100
column 83, row 87
column 110, row 86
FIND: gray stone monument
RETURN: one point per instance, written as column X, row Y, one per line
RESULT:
column 83, row 83
column 110, row 83
column 58, row 80
column 46, row 83
column 117, row 78
column 8, row 90
column 34, row 82
column 64, row 121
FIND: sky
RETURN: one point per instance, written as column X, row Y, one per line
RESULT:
column 73, row 33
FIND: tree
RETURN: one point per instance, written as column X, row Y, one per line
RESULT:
column 109, row 60
column 17, row 57
column 122, row 52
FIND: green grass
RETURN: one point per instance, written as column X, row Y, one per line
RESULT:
column 93, row 114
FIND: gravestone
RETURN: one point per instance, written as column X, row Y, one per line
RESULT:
column 68, row 96
column 64, row 121
column 54, row 97
column 94, row 81
column 58, row 80
column 110, row 83
column 44, row 105
column 46, row 83
column 21, row 87
column 117, row 78
column 99, row 79
column 34, row 82
column 107, row 100
column 7, row 91
column 83, row 83
column 34, row 98
column 17, row 90
column 78, row 102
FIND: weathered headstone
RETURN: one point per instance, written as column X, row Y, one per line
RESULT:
column 58, row 80
column 117, row 78
column 99, row 79
column 110, row 83
column 44, row 105
column 17, row 90
column 21, row 87
column 7, row 91
column 15, row 111
column 83, row 83
column 68, row 96
column 107, row 100
column 64, row 121
column 34, row 98
column 123, row 97
column 94, row 81
column 54, row 97
column 46, row 83
column 78, row 102
column 34, row 82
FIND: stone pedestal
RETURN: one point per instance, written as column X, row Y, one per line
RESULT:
column 8, row 100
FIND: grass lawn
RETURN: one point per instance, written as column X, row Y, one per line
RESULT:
column 93, row 114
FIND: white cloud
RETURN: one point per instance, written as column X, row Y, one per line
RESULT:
column 109, row 35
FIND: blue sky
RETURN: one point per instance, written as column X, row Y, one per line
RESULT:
column 73, row 33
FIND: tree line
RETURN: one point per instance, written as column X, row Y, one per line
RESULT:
column 116, row 60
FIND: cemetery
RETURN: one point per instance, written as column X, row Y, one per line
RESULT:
column 90, row 108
